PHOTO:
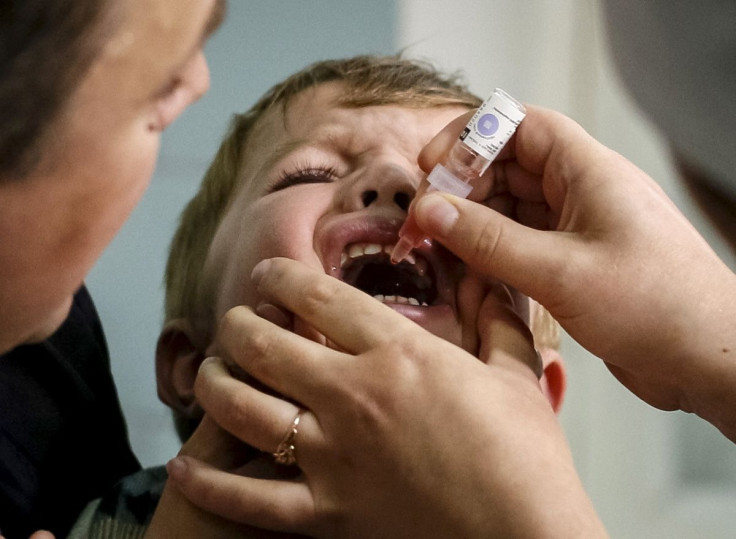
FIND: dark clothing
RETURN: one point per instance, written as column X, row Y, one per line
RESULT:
column 63, row 439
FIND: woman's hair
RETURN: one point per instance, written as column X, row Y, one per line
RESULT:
column 46, row 48
column 366, row 81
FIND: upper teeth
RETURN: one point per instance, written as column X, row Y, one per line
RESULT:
column 399, row 299
column 356, row 250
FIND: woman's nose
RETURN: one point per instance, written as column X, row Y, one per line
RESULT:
column 389, row 186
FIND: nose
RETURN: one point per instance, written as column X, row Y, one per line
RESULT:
column 387, row 186
column 199, row 75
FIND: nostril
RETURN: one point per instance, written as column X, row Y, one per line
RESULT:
column 402, row 200
column 368, row 197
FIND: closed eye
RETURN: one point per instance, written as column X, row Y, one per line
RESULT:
column 302, row 176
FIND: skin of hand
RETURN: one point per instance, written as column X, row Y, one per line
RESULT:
column 438, row 452
column 177, row 517
column 607, row 253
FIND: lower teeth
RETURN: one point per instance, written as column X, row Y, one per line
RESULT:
column 401, row 300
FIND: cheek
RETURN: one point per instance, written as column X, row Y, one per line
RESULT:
column 118, row 181
column 112, row 162
column 60, row 223
column 286, row 227
column 268, row 231
column 130, row 169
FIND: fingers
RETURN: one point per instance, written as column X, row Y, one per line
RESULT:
column 254, row 417
column 277, row 357
column 518, row 181
column 496, row 246
column 435, row 151
column 213, row 445
column 547, row 151
column 539, row 137
column 322, row 302
column 505, row 337
column 276, row 505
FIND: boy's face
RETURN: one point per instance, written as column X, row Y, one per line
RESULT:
column 330, row 186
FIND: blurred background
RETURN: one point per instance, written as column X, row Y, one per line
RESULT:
column 650, row 474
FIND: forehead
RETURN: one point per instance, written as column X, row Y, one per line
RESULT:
column 167, row 17
column 155, row 35
column 315, row 121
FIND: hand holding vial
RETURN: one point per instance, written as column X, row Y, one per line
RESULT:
column 615, row 262
column 483, row 138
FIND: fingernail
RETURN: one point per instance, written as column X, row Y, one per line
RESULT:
column 177, row 468
column 437, row 214
column 206, row 362
column 259, row 271
column 539, row 365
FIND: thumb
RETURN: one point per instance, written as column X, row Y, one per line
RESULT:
column 493, row 245
column 506, row 339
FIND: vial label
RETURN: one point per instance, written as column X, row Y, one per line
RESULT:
column 492, row 125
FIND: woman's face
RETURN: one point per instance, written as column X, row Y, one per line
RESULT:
column 55, row 223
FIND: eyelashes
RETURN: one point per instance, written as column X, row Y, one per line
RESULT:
column 303, row 176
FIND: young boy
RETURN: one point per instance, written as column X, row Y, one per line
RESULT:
column 322, row 170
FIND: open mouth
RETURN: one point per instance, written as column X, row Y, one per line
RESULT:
column 356, row 248
column 368, row 267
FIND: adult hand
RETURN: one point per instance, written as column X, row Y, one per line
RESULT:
column 615, row 262
column 176, row 516
column 403, row 434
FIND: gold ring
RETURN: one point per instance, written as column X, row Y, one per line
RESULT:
column 284, row 454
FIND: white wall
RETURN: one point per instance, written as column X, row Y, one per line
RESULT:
column 649, row 473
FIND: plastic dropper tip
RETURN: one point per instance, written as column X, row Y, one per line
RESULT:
column 401, row 250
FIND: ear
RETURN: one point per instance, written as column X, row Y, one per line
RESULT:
column 177, row 362
column 554, row 377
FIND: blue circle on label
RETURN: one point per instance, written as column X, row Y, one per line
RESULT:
column 487, row 125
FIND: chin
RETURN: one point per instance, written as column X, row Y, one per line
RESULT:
column 51, row 323
column 33, row 327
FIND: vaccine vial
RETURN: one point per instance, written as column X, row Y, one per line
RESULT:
column 481, row 141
